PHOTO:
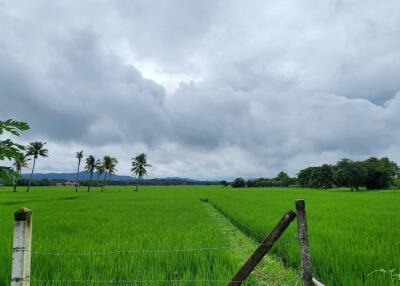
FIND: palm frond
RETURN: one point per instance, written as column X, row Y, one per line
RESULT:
column 139, row 165
column 37, row 149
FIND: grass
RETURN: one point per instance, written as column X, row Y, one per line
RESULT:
column 351, row 234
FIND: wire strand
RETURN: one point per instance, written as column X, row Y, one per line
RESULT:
column 115, row 252
column 132, row 281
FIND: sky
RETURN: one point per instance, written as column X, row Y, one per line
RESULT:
column 208, row 89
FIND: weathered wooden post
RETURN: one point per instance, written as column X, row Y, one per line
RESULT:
column 302, row 230
column 264, row 247
column 22, row 243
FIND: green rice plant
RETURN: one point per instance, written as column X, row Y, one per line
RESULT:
column 117, row 235
column 392, row 273
column 351, row 234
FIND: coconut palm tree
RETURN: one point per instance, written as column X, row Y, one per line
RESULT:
column 35, row 149
column 139, row 165
column 90, row 167
column 99, row 169
column 19, row 163
column 109, row 166
column 79, row 156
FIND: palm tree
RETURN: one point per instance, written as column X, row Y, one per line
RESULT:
column 79, row 156
column 35, row 149
column 19, row 163
column 99, row 169
column 109, row 166
column 139, row 164
column 90, row 166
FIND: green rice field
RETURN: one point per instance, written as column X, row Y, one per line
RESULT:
column 166, row 235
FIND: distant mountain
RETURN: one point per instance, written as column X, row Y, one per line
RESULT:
column 71, row 176
column 179, row 179
column 86, row 176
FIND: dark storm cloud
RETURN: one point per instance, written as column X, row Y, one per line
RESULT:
column 274, row 85
column 83, row 94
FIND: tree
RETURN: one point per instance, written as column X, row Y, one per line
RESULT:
column 239, row 183
column 304, row 176
column 350, row 174
column 316, row 177
column 90, row 167
column 99, row 170
column 35, row 149
column 79, row 156
column 109, row 164
column 112, row 169
column 251, row 183
column 396, row 169
column 10, row 150
column 19, row 163
column 283, row 179
column 379, row 173
column 263, row 182
column 322, row 177
column 224, row 183
column 139, row 165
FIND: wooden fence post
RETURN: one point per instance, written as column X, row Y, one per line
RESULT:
column 22, row 243
column 302, row 231
column 262, row 249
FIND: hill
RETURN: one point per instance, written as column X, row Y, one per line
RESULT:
column 86, row 176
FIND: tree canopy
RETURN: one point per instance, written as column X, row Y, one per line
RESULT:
column 372, row 173
column 239, row 183
column 9, row 150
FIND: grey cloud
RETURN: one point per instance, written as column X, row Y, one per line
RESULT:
column 283, row 85
column 83, row 94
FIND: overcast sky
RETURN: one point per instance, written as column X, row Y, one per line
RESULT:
column 207, row 88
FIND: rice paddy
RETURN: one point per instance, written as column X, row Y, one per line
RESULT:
column 351, row 234
column 166, row 235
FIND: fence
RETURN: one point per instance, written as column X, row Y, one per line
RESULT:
column 22, row 244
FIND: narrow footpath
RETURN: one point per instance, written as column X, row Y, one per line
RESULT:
column 270, row 271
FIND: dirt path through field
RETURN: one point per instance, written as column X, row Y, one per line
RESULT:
column 270, row 271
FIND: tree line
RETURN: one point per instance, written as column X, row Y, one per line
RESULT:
column 373, row 173
column 21, row 156
column 281, row 180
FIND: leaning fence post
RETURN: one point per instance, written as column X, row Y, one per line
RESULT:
column 262, row 249
column 22, row 242
column 306, row 266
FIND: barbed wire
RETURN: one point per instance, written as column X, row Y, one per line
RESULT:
column 146, row 251
column 126, row 281
column 138, row 251
column 148, row 282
